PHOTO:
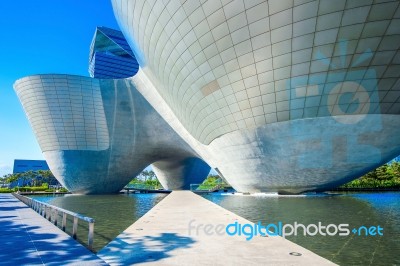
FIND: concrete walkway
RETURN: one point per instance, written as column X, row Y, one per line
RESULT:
column 26, row 238
column 162, row 237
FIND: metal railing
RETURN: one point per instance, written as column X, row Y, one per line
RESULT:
column 140, row 186
column 52, row 213
column 195, row 188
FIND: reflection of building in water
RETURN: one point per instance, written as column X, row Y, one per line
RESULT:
column 355, row 209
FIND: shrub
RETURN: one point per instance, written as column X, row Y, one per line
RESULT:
column 31, row 189
column 6, row 190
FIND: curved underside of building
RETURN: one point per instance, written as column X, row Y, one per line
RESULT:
column 97, row 135
column 279, row 95
column 284, row 96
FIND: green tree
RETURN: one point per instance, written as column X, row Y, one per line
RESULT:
column 46, row 176
column 382, row 173
column 370, row 175
column 12, row 177
column 385, row 176
column 148, row 175
column 394, row 169
column 146, row 179
column 213, row 181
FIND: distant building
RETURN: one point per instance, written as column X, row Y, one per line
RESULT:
column 21, row 166
column 110, row 55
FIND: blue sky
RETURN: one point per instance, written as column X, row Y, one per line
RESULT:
column 40, row 36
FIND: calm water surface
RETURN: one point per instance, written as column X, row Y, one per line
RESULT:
column 114, row 213
column 355, row 209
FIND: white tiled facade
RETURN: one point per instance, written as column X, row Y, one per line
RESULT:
column 98, row 134
column 281, row 95
column 227, row 65
column 66, row 112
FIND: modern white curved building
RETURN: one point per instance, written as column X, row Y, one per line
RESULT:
column 278, row 95
column 98, row 134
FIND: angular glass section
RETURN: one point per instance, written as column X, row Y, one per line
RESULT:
column 111, row 56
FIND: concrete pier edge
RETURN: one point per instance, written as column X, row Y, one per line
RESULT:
column 162, row 237
column 27, row 238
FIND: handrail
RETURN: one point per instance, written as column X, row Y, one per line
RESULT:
column 140, row 186
column 50, row 212
column 194, row 188
column 216, row 187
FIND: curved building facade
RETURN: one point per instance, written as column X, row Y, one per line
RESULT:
column 224, row 66
column 97, row 135
column 284, row 96
column 279, row 95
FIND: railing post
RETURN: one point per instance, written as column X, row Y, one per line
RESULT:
column 56, row 217
column 90, row 235
column 64, row 221
column 75, row 227
column 51, row 213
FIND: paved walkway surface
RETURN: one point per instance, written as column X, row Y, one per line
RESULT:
column 26, row 238
column 162, row 237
